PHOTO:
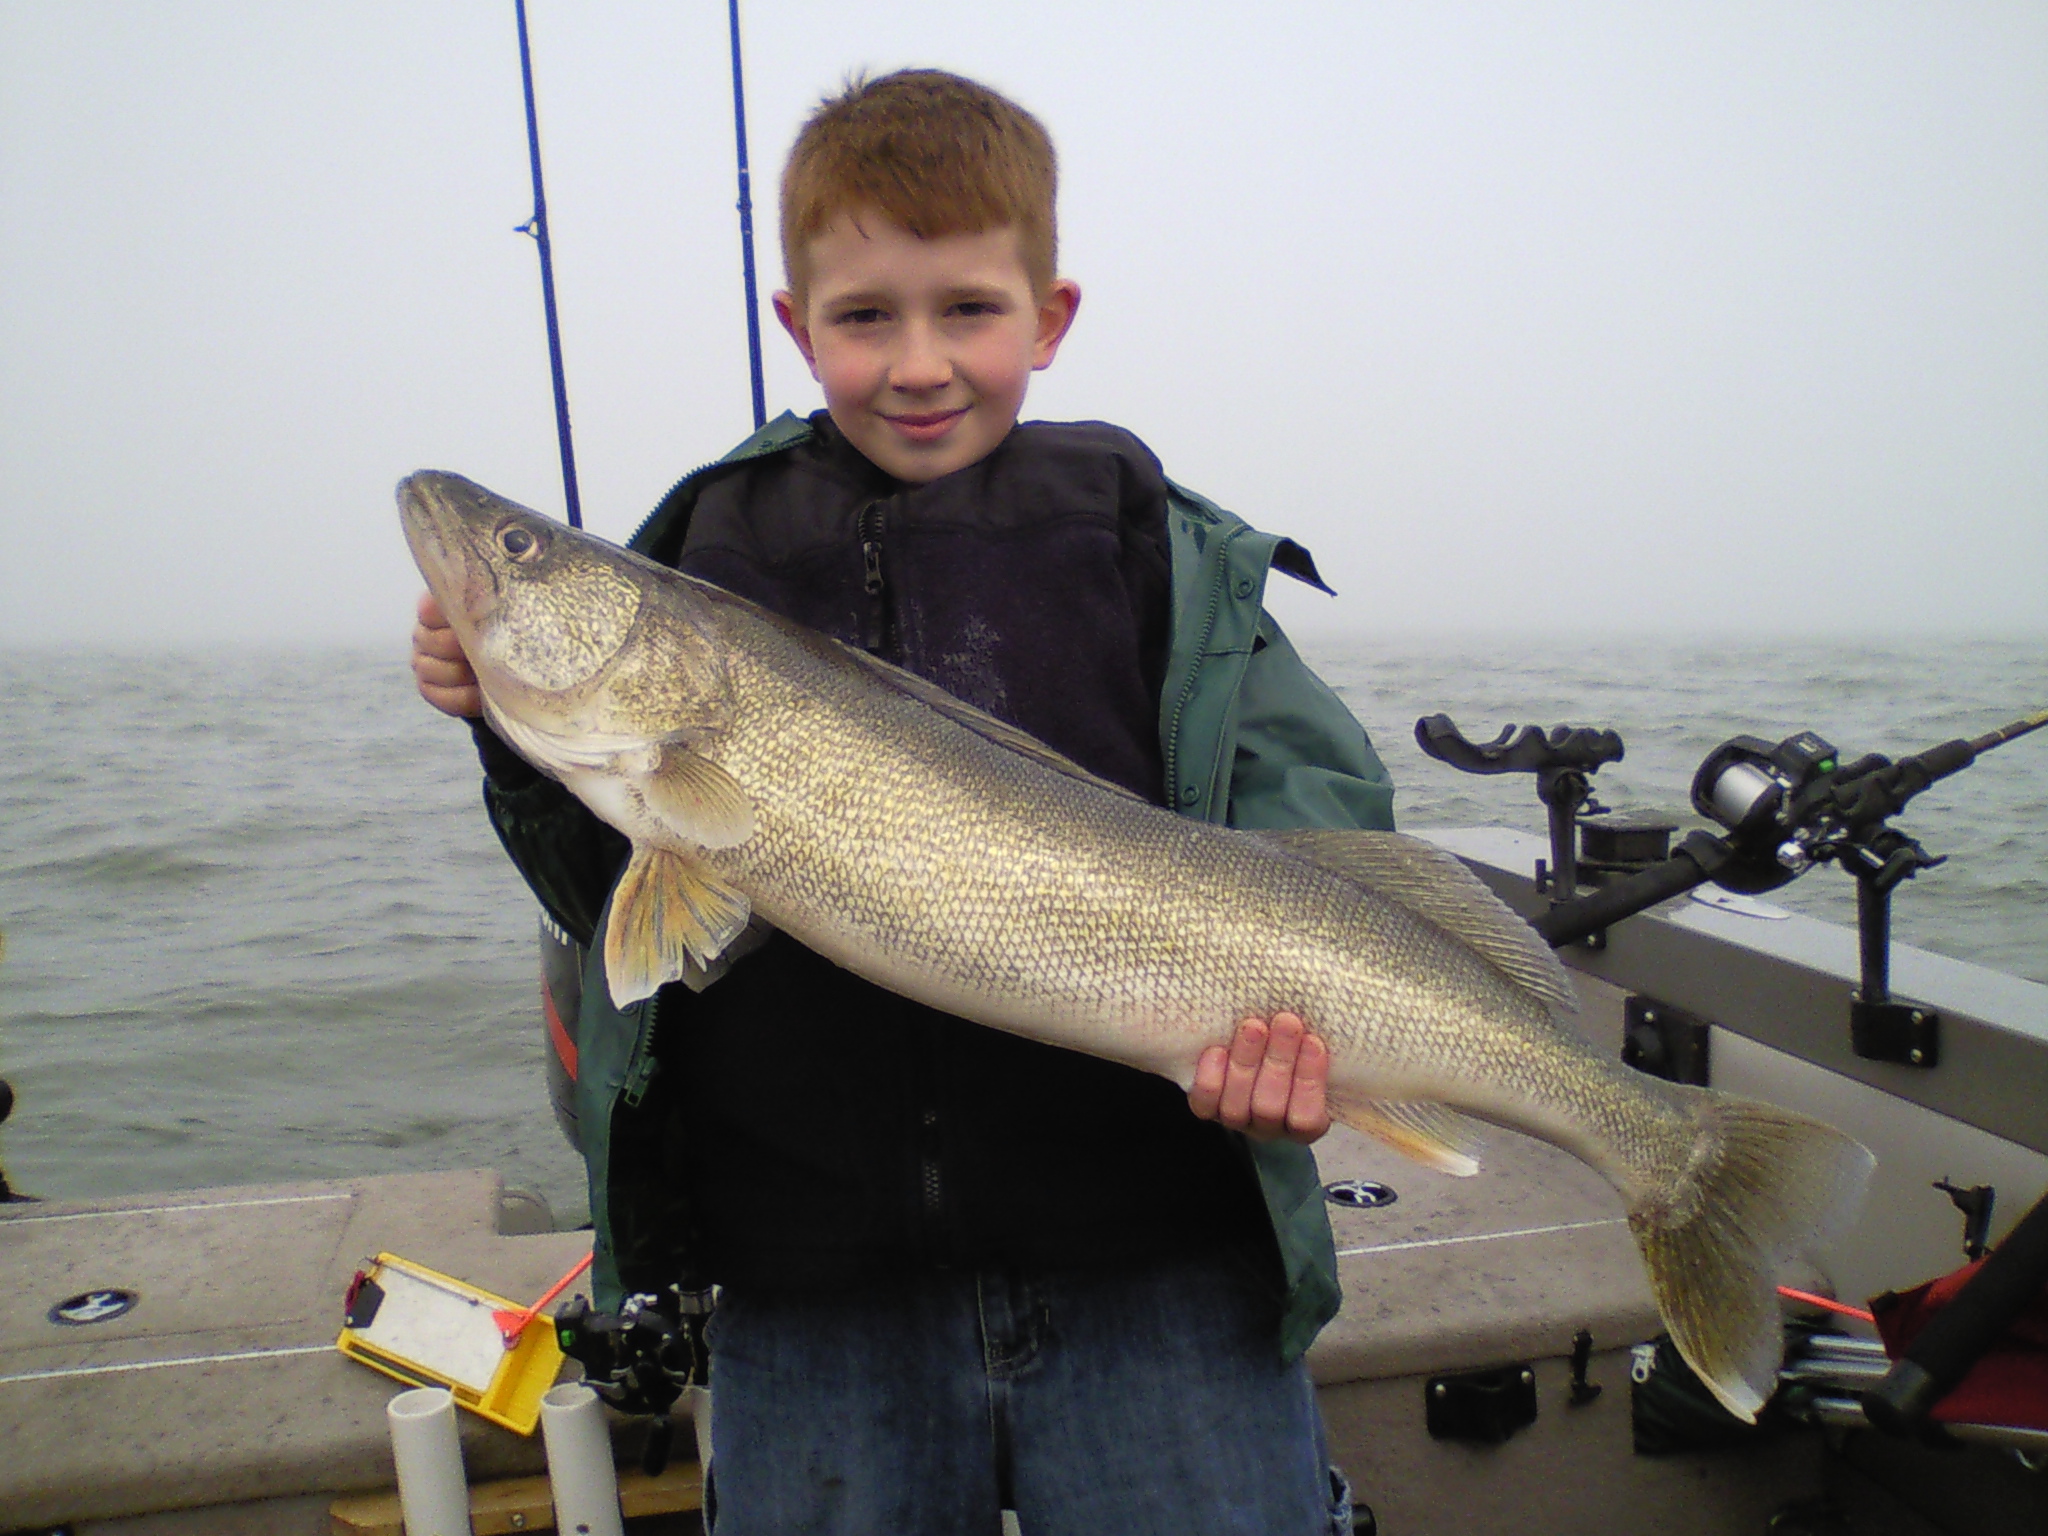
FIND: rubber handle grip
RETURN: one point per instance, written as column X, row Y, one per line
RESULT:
column 1696, row 862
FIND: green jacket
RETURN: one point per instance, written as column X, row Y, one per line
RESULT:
column 1251, row 738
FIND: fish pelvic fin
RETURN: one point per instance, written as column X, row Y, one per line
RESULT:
column 1438, row 888
column 1426, row 1133
column 670, row 918
column 1762, row 1186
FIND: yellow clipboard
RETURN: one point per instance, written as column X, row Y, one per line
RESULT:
column 428, row 1329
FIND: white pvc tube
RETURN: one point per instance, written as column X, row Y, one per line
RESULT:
column 580, row 1470
column 432, row 1490
column 699, row 1399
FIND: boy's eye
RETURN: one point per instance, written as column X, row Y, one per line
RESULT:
column 868, row 315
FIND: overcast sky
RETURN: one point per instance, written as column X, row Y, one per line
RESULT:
column 1628, row 316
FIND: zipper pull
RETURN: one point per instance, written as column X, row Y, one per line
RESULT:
column 870, row 530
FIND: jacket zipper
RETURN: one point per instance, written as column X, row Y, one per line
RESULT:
column 1187, row 688
column 735, row 458
column 934, row 1238
column 867, row 528
column 640, row 1068
column 933, row 1185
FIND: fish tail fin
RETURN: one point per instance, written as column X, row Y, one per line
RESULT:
column 1761, row 1186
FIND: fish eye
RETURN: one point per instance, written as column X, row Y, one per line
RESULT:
column 520, row 543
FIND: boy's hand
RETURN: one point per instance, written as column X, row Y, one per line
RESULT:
column 439, row 666
column 1268, row 1082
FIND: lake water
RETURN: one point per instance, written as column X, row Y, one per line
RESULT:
column 258, row 929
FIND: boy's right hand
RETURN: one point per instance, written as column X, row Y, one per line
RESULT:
column 440, row 668
column 1270, row 1081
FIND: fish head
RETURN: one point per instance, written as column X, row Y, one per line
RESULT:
column 568, row 635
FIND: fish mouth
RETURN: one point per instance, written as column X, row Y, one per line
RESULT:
column 447, row 532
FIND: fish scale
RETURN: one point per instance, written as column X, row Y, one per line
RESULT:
column 1138, row 925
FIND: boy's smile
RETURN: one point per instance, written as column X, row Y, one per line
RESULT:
column 924, row 348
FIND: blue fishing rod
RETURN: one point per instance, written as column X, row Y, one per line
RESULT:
column 642, row 1358
column 739, row 123
column 537, row 226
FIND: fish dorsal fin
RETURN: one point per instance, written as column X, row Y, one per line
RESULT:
column 669, row 917
column 979, row 721
column 1438, row 888
column 985, row 725
column 1427, row 1133
column 697, row 797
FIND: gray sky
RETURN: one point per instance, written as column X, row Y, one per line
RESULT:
column 1736, row 314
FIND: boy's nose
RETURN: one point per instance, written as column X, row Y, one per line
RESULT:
column 922, row 364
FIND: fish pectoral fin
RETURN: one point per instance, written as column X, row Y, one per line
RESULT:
column 1438, row 888
column 1427, row 1133
column 698, row 798
column 668, row 918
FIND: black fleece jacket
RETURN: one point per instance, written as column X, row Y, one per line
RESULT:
column 811, row 1129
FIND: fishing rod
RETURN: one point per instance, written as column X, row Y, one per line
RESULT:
column 537, row 226
column 1783, row 808
column 746, row 206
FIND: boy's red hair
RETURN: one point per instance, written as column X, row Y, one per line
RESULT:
column 938, row 154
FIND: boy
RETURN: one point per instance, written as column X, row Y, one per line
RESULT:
column 962, row 1271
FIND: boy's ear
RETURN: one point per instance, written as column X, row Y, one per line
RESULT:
column 1056, row 310
column 793, row 322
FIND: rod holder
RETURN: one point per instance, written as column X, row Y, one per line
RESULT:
column 433, row 1493
column 580, row 1470
column 699, row 1399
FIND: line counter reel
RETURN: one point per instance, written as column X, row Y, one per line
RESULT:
column 1755, row 789
column 641, row 1358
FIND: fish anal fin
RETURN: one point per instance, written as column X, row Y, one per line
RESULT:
column 1426, row 1133
column 668, row 917
column 1437, row 887
column 697, row 798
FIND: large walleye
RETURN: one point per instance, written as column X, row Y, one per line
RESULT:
column 762, row 770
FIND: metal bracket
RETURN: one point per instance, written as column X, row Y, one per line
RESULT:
column 1480, row 1405
column 1905, row 1033
column 1665, row 1042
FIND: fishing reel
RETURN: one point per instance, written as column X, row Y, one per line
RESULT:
column 641, row 1358
column 1796, row 804
column 1793, row 805
column 1751, row 787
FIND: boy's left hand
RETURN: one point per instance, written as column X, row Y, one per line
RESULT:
column 1268, row 1082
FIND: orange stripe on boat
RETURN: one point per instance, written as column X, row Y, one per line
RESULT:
column 565, row 1046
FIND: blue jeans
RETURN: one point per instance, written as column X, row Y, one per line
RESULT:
column 1130, row 1401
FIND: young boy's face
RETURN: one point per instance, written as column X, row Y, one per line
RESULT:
column 923, row 347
